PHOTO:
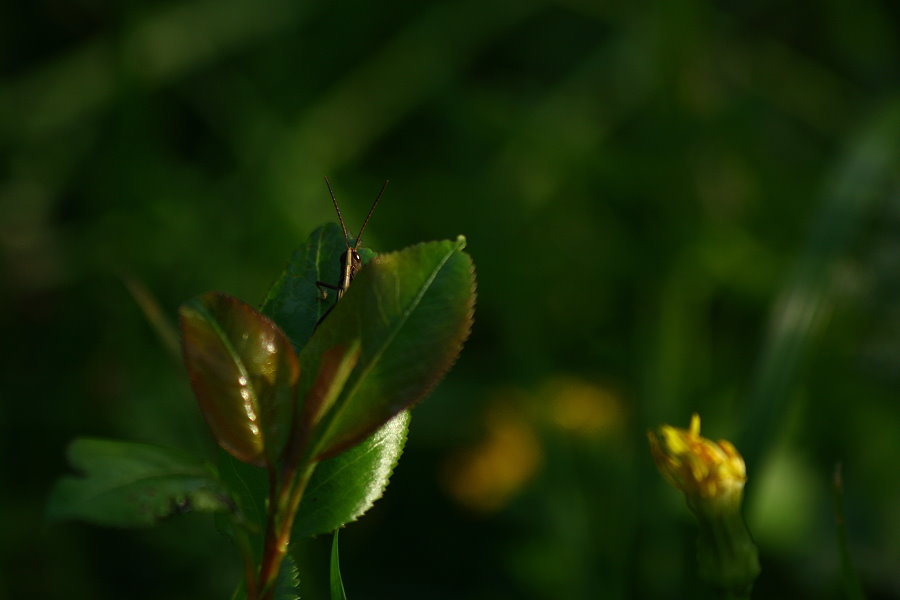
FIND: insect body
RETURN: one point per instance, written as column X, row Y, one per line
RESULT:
column 350, row 259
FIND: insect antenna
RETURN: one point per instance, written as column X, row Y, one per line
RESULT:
column 338, row 209
column 368, row 216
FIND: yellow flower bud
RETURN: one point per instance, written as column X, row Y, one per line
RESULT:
column 711, row 474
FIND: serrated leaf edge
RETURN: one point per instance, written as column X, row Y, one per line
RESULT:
column 371, row 500
column 440, row 373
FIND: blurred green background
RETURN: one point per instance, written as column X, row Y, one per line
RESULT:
column 673, row 207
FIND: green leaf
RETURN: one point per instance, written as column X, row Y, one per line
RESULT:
column 133, row 485
column 287, row 585
column 411, row 311
column 343, row 488
column 249, row 489
column 337, row 585
column 335, row 367
column 244, row 372
column 294, row 301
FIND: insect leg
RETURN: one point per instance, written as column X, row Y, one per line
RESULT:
column 324, row 292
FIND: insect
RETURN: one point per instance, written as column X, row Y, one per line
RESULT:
column 350, row 259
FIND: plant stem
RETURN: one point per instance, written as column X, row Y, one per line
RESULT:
column 726, row 554
column 852, row 586
column 285, row 494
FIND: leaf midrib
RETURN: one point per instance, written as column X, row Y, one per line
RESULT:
column 339, row 409
column 232, row 352
column 202, row 477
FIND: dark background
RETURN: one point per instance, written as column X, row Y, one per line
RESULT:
column 673, row 207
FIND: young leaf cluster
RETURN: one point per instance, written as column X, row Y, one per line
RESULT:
column 321, row 405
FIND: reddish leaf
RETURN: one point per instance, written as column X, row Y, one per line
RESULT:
column 244, row 372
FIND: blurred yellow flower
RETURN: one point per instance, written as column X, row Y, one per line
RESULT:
column 711, row 474
column 582, row 408
column 487, row 475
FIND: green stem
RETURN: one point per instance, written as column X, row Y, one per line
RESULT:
column 246, row 551
column 852, row 586
column 727, row 556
